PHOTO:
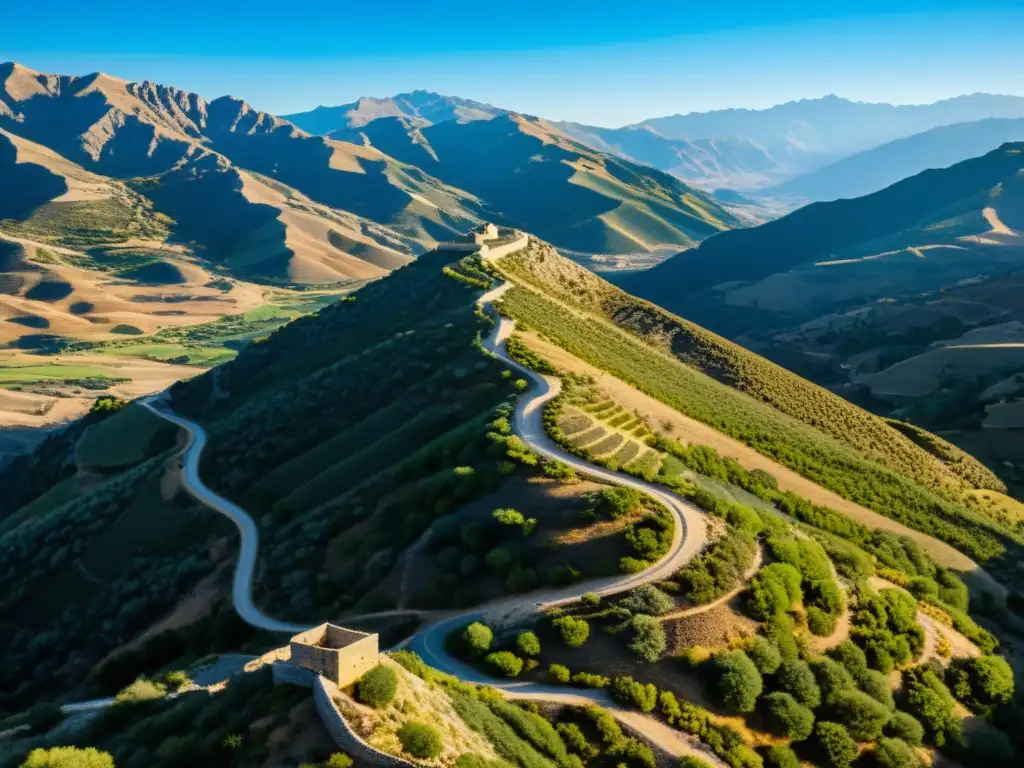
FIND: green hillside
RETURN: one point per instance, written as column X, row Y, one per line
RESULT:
column 806, row 428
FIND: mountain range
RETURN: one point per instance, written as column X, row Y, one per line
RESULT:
column 905, row 300
column 735, row 148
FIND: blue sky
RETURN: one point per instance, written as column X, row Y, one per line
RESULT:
column 595, row 62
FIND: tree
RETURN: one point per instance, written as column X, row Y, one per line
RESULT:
column 738, row 683
column 863, row 717
column 628, row 691
column 796, row 678
column 505, row 662
column 982, row 683
column 648, row 600
column 832, row 678
column 893, row 753
column 559, row 673
column 930, row 701
column 574, row 631
column 765, row 655
column 851, row 657
column 876, row 685
column 477, row 638
column 68, row 757
column 689, row 761
column 528, row 644
column 781, row 756
column 377, row 686
column 905, row 726
column 420, row 740
column 649, row 640
column 839, row 749
column 786, row 717
column 338, row 760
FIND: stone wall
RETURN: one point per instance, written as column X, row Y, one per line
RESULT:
column 496, row 252
column 283, row 672
column 324, row 692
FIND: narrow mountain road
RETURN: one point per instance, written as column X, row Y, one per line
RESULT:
column 241, row 591
column 689, row 536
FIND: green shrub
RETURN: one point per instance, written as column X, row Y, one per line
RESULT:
column 574, row 631
column 420, row 740
column 852, row 657
column 863, row 717
column 835, row 743
column 632, row 752
column 982, row 683
column 903, row 725
column 765, row 655
column 689, row 761
column 648, row 600
column 820, row 623
column 930, row 701
column 590, row 599
column 477, row 638
column 893, row 753
column 781, row 756
column 590, row 680
column 558, row 673
column 628, row 691
column 832, row 678
column 923, row 588
column 68, row 757
column 649, row 640
column 528, row 644
column 616, row 502
column 737, row 683
column 504, row 662
column 532, row 727
column 786, row 717
column 576, row 741
column 876, row 685
column 141, row 690
column 339, row 760
column 796, row 678
column 377, row 686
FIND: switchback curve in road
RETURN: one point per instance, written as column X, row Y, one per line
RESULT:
column 241, row 589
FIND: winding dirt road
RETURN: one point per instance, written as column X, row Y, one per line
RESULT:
column 689, row 536
column 241, row 592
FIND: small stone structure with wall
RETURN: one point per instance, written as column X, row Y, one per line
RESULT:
column 486, row 232
column 338, row 654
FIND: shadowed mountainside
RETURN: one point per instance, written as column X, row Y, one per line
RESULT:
column 534, row 177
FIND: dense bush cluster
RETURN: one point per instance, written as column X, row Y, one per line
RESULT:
column 885, row 625
column 719, row 569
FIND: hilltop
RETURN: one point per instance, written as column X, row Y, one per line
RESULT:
column 423, row 106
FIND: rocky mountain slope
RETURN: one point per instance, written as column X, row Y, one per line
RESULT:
column 535, row 177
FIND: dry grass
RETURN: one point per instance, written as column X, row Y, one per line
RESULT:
column 417, row 701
